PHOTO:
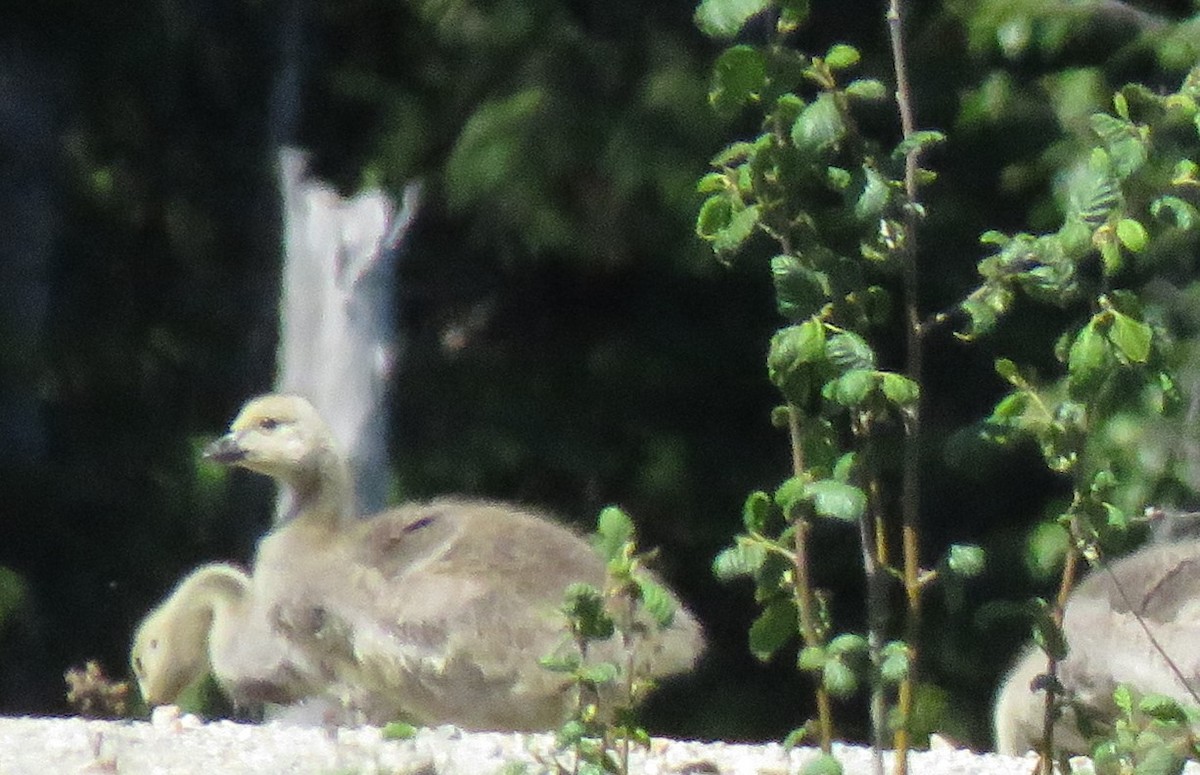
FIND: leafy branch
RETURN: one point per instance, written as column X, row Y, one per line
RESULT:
column 603, row 725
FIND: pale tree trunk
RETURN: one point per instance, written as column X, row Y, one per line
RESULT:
column 338, row 342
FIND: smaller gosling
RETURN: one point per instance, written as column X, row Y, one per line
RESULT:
column 209, row 623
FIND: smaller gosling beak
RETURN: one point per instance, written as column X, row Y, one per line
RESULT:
column 224, row 450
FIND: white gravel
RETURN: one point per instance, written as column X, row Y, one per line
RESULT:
column 174, row 745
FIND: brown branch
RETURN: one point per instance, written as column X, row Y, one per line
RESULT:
column 804, row 590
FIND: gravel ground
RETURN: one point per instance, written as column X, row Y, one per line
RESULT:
column 174, row 745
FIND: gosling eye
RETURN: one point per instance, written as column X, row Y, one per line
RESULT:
column 268, row 423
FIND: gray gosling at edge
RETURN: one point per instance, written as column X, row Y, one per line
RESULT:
column 207, row 624
column 439, row 610
column 1107, row 646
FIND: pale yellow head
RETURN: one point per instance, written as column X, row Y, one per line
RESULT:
column 281, row 436
column 171, row 648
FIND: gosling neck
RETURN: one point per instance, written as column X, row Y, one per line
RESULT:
column 320, row 494
column 211, row 596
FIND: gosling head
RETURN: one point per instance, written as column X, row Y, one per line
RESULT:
column 281, row 436
column 171, row 646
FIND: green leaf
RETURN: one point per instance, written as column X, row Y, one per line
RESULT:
column 792, row 14
column 491, row 146
column 839, row 178
column 773, row 629
column 852, row 388
column 811, row 658
column 714, row 216
column 567, row 663
column 1009, row 371
column 1047, row 635
column 847, row 350
column 792, row 350
column 1131, row 337
column 837, row 500
column 599, row 674
column 1123, row 699
column 800, row 292
column 614, row 529
column 825, row 764
column 842, row 56
column 1183, row 214
column 1088, row 362
column 13, row 593
column 1093, row 192
column 874, row 197
column 741, row 226
column 899, row 389
column 656, row 601
column 1047, row 547
column 1124, row 141
column 844, row 468
column 847, row 644
column 1110, row 257
column 738, row 77
column 918, row 141
column 819, row 127
column 795, row 738
column 1010, row 408
column 710, row 183
column 584, row 608
column 1162, row 708
column 756, row 511
column 742, row 559
column 895, row 663
column 1157, row 757
column 966, row 560
column 790, row 495
column 399, row 730
column 1132, row 234
column 725, row 18
column 866, row 89
column 733, row 154
column 839, row 678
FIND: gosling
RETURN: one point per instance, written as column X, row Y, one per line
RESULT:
column 208, row 624
column 439, row 610
column 1107, row 646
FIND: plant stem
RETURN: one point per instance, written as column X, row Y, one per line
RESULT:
column 911, row 494
column 804, row 591
column 873, row 552
column 1045, row 764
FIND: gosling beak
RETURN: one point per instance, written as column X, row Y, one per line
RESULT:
column 225, row 450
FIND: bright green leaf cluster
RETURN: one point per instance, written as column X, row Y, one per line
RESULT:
column 1152, row 735
column 1104, row 209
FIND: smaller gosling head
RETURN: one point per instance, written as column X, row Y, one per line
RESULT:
column 281, row 436
column 171, row 645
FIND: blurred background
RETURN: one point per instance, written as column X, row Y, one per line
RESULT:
column 568, row 341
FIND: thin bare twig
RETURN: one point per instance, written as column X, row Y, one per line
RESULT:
column 911, row 492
